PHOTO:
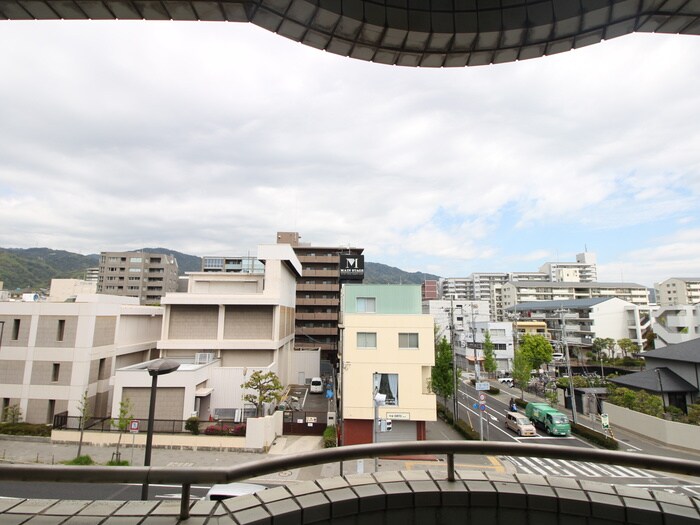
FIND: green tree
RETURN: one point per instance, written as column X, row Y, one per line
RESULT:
column 267, row 389
column 536, row 349
column 521, row 370
column 627, row 346
column 12, row 414
column 601, row 344
column 122, row 422
column 84, row 411
column 441, row 376
column 490, row 364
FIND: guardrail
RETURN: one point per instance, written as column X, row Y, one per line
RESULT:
column 189, row 475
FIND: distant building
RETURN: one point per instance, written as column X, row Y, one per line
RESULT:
column 584, row 270
column 678, row 290
column 318, row 294
column 54, row 352
column 676, row 324
column 430, row 290
column 92, row 275
column 146, row 276
column 388, row 350
column 232, row 264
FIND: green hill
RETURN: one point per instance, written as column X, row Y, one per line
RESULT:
column 35, row 267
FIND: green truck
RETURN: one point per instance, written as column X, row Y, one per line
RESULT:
column 549, row 419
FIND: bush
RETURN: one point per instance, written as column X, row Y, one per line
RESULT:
column 117, row 463
column 25, row 429
column 595, row 437
column 80, row 460
column 226, row 430
column 330, row 437
column 192, row 425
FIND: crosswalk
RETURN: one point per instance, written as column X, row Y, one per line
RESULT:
column 568, row 468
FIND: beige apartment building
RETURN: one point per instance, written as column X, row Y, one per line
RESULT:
column 51, row 353
column 226, row 326
column 146, row 276
column 318, row 294
column 388, row 348
column 677, row 291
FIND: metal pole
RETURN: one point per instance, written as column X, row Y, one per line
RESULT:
column 450, row 467
column 661, row 388
column 375, row 422
column 149, row 435
column 455, row 390
column 568, row 366
column 185, row 502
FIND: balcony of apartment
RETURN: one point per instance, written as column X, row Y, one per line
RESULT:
column 313, row 287
column 325, row 330
column 316, row 301
column 320, row 273
column 318, row 259
column 156, row 270
column 316, row 316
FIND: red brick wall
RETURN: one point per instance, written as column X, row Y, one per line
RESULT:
column 357, row 431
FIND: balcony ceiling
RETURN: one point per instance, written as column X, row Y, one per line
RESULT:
column 431, row 33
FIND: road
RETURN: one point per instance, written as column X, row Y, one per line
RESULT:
column 94, row 491
column 493, row 423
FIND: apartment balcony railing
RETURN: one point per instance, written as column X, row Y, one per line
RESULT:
column 548, row 498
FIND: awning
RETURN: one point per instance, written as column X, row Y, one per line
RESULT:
column 203, row 392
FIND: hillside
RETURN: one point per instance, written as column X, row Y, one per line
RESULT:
column 35, row 267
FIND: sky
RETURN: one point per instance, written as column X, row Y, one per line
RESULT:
column 208, row 138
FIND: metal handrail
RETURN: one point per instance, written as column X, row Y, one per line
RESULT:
column 189, row 475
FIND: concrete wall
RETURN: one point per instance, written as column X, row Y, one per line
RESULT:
column 669, row 432
column 248, row 322
column 262, row 431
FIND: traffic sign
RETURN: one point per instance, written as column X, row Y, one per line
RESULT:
column 483, row 385
column 475, row 406
column 482, row 407
column 605, row 421
column 482, row 397
column 134, row 426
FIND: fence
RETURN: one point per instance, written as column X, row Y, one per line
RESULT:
column 304, row 423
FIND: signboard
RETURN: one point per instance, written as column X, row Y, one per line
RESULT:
column 605, row 421
column 482, row 397
column 134, row 426
column 352, row 267
column 311, row 419
column 483, row 385
column 398, row 415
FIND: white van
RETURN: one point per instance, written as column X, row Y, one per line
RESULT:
column 316, row 385
column 557, row 356
column 520, row 424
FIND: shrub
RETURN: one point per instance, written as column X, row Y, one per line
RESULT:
column 494, row 390
column 80, row 460
column 226, row 430
column 329, row 437
column 25, row 429
column 192, row 425
column 117, row 463
column 595, row 436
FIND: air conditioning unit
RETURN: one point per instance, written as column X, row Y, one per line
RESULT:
column 202, row 358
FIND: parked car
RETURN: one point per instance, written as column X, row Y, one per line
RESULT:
column 557, row 356
column 316, row 385
column 520, row 424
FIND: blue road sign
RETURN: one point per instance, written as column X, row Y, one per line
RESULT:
column 482, row 407
column 475, row 406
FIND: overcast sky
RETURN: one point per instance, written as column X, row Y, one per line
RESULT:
column 208, row 138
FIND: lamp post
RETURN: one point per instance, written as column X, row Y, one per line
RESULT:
column 378, row 400
column 159, row 367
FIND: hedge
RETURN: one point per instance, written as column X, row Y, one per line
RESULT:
column 25, row 429
column 596, row 437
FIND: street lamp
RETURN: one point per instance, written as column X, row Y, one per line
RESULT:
column 159, row 367
column 378, row 400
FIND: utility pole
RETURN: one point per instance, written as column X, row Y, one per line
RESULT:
column 455, row 391
column 476, row 363
column 565, row 345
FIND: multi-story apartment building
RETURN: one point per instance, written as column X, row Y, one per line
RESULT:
column 587, row 319
column 225, row 327
column 584, row 270
column 676, row 324
column 454, row 318
column 147, row 276
column 318, row 294
column 387, row 349
column 678, row 290
column 52, row 353
column 246, row 264
column 430, row 290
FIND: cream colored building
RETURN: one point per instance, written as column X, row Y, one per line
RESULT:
column 63, row 290
column 678, row 290
column 387, row 347
column 51, row 353
column 226, row 326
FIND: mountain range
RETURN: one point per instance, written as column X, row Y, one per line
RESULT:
column 33, row 268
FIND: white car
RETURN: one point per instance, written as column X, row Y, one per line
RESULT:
column 316, row 386
column 506, row 381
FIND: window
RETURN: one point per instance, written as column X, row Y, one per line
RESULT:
column 388, row 384
column 15, row 329
column 135, row 260
column 54, row 372
column 101, row 367
column 366, row 340
column 366, row 305
column 408, row 340
column 135, row 270
column 61, row 329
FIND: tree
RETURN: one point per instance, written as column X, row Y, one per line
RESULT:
column 521, row 370
column 536, row 349
column 603, row 344
column 267, row 387
column 84, row 411
column 441, row 376
column 490, row 364
column 122, row 422
column 12, row 414
column 627, row 346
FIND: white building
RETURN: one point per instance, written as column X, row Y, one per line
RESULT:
column 63, row 290
column 588, row 319
column 226, row 326
column 584, row 270
column 678, row 290
column 51, row 353
column 676, row 324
